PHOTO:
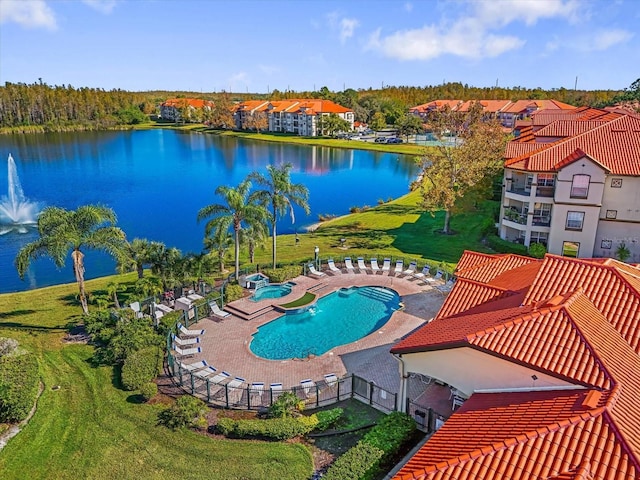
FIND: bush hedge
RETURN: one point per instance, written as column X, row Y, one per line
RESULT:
column 233, row 292
column 148, row 391
column 274, row 428
column 503, row 246
column 188, row 411
column 19, row 381
column 282, row 274
column 391, row 433
column 140, row 367
column 354, row 463
column 328, row 418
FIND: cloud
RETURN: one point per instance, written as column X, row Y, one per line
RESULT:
column 347, row 27
column 344, row 26
column 606, row 39
column 238, row 80
column 475, row 33
column 408, row 7
column 102, row 6
column 28, row 13
column 268, row 69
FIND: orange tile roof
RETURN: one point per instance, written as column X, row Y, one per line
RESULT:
column 490, row 106
column 568, row 128
column 193, row 102
column 492, row 266
column 470, row 259
column 520, row 106
column 612, row 287
column 472, row 294
column 564, row 327
column 615, row 144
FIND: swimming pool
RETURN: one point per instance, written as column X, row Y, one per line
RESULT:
column 271, row 291
column 339, row 318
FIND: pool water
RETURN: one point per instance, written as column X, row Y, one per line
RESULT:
column 271, row 291
column 339, row 318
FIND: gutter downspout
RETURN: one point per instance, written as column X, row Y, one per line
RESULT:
column 403, row 383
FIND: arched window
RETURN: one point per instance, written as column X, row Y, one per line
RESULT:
column 580, row 186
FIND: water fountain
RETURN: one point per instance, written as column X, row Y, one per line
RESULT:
column 16, row 212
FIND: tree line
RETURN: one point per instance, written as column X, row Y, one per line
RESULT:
column 42, row 107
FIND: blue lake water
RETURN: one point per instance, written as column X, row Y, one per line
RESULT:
column 157, row 180
column 339, row 318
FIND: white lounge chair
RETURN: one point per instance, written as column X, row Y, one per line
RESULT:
column 192, row 367
column 386, row 265
column 135, row 306
column 446, row 287
column 411, row 270
column 183, row 342
column 205, row 373
column 332, row 266
column 220, row 377
column 257, row 388
column 236, row 382
column 307, row 385
column 399, row 267
column 216, row 311
column 361, row 266
column 189, row 333
column 331, row 379
column 374, row 265
column 314, row 272
column 348, row 265
column 435, row 278
column 424, row 273
column 187, row 352
column 235, row 390
column 276, row 390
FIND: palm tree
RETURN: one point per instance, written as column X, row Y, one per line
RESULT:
column 219, row 243
column 238, row 211
column 253, row 236
column 165, row 262
column 90, row 226
column 280, row 194
column 112, row 290
column 135, row 255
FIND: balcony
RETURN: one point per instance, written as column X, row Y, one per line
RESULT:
column 541, row 221
column 543, row 191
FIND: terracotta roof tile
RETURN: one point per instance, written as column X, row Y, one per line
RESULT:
column 568, row 128
column 486, row 269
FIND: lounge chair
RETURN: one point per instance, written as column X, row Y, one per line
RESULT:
column 423, row 274
column 374, row 265
column 187, row 352
column 411, row 270
column 399, row 267
column 235, row 390
column 189, row 333
column 307, row 385
column 386, row 265
column 435, row 278
column 348, row 265
column 314, row 272
column 183, row 342
column 135, row 306
column 332, row 266
column 192, row 367
column 331, row 379
column 220, row 377
column 216, row 311
column 361, row 266
column 446, row 287
column 276, row 390
column 205, row 373
column 257, row 388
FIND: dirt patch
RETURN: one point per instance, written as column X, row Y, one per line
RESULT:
column 77, row 334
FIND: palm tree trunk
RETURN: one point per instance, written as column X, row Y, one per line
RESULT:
column 447, row 221
column 273, row 234
column 140, row 268
column 78, row 269
column 236, row 231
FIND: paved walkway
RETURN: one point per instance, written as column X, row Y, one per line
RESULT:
column 225, row 345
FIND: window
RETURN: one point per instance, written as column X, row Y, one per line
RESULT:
column 580, row 186
column 612, row 213
column 616, row 183
column 574, row 220
column 528, row 183
column 546, row 179
column 570, row 249
column 541, row 214
column 539, row 237
column 606, row 244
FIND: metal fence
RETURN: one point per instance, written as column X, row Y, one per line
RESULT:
column 426, row 418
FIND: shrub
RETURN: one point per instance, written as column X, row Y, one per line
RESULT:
column 504, row 246
column 274, row 428
column 18, row 386
column 282, row 274
column 391, row 433
column 622, row 252
column 141, row 367
column 287, row 405
column 233, row 292
column 355, row 463
column 188, row 411
column 328, row 418
column 537, row 250
column 148, row 391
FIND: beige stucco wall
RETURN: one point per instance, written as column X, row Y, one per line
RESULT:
column 625, row 200
column 617, row 233
column 558, row 234
column 468, row 369
column 584, row 166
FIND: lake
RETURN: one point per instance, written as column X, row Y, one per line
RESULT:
column 157, row 180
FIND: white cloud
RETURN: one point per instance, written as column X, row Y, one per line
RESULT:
column 28, row 13
column 347, row 27
column 408, row 7
column 475, row 33
column 605, row 39
column 102, row 6
column 238, row 80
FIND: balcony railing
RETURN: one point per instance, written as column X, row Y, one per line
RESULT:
column 515, row 217
column 545, row 191
column 544, row 221
column 519, row 189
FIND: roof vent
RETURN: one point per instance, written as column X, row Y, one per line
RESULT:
column 592, row 399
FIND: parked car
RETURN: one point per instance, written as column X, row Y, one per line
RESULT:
column 381, row 140
column 394, row 140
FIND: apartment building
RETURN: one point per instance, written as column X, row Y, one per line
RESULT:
column 170, row 109
column 572, row 183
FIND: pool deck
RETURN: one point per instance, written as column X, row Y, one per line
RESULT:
column 225, row 344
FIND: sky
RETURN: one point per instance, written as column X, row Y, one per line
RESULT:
column 257, row 46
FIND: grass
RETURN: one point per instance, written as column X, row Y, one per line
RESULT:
column 306, row 299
